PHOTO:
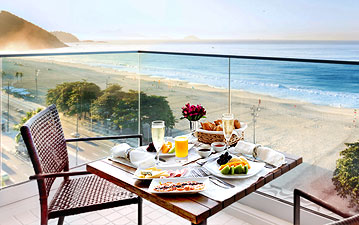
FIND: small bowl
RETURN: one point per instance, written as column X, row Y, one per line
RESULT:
column 204, row 152
column 218, row 146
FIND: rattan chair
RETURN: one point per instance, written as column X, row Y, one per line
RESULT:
column 46, row 144
column 348, row 219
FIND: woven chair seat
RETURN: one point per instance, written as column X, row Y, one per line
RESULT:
column 77, row 195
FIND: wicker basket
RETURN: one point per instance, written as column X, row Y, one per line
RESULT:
column 209, row 137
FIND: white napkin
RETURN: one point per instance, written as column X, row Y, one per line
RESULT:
column 266, row 154
column 138, row 157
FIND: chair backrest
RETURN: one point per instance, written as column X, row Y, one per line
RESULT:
column 46, row 144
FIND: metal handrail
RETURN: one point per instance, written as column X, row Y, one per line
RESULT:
column 326, row 61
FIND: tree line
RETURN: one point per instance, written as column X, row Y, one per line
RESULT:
column 87, row 100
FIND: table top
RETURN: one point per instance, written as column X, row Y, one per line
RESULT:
column 195, row 208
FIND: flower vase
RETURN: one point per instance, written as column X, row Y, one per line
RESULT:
column 193, row 126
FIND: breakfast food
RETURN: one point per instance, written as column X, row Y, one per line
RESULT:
column 237, row 165
column 217, row 125
column 155, row 172
column 224, row 158
column 151, row 148
column 180, row 186
column 152, row 172
column 167, row 148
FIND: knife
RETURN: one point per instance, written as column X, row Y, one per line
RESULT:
column 218, row 183
column 228, row 185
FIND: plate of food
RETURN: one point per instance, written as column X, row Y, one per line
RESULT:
column 160, row 172
column 190, row 185
column 232, row 167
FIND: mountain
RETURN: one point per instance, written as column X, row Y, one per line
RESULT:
column 65, row 37
column 19, row 34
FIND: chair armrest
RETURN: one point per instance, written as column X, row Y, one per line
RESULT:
column 139, row 136
column 60, row 174
column 299, row 193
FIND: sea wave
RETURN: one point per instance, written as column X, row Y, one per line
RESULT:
column 282, row 87
column 316, row 96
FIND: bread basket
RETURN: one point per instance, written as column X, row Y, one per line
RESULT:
column 209, row 137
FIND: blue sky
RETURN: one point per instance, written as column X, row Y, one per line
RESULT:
column 206, row 19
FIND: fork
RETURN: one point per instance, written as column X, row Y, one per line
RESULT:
column 195, row 173
column 205, row 172
column 199, row 172
column 201, row 162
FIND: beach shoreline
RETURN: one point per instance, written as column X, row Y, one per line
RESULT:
column 295, row 117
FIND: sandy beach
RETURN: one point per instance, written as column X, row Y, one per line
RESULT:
column 287, row 125
column 315, row 132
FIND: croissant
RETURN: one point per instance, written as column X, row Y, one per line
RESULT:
column 237, row 124
column 218, row 122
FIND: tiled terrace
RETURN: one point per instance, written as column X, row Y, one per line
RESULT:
column 26, row 212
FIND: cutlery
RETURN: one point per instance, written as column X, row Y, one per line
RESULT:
column 204, row 161
column 207, row 173
column 202, row 172
column 251, row 158
column 162, row 160
column 195, row 173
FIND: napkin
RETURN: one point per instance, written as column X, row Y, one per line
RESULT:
column 137, row 157
column 264, row 153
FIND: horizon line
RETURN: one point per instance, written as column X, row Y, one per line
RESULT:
column 221, row 40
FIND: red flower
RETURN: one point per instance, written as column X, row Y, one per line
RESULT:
column 192, row 112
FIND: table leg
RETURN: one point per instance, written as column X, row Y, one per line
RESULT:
column 204, row 222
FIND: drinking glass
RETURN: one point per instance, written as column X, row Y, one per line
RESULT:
column 181, row 146
column 228, row 126
column 158, row 136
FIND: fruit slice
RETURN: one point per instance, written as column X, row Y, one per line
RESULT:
column 166, row 147
column 238, row 169
column 245, row 169
column 172, row 150
column 232, row 170
column 235, row 159
column 225, row 170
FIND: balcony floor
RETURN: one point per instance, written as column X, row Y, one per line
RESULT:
column 26, row 212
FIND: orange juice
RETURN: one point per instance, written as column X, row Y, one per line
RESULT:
column 181, row 146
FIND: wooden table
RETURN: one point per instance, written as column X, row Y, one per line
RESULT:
column 195, row 208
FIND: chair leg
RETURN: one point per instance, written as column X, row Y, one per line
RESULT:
column 61, row 220
column 140, row 210
column 296, row 216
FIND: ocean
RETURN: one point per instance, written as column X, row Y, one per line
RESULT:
column 324, row 84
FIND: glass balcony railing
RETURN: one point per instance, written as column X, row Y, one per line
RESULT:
column 301, row 107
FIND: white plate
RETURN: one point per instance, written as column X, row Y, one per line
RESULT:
column 156, row 182
column 213, row 167
column 138, row 172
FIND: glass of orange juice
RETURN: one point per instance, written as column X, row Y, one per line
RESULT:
column 181, row 146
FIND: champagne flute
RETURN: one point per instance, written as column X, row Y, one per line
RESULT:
column 228, row 126
column 158, row 136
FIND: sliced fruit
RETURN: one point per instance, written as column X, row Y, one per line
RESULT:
column 232, row 170
column 166, row 147
column 238, row 169
column 225, row 170
column 245, row 169
column 235, row 159
column 172, row 150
